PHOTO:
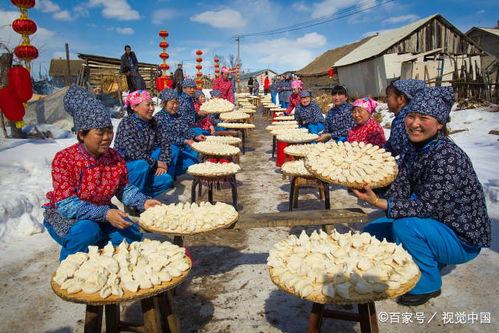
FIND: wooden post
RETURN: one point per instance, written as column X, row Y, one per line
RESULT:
column 68, row 73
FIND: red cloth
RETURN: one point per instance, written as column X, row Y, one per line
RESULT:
column 169, row 83
column 266, row 83
column 294, row 100
column 204, row 123
column 75, row 171
column 281, row 157
column 225, row 87
column 371, row 132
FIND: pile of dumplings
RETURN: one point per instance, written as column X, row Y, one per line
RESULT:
column 283, row 131
column 295, row 168
column 304, row 149
column 228, row 140
column 352, row 164
column 217, row 105
column 343, row 267
column 284, row 118
column 215, row 149
column 281, row 127
column 234, row 115
column 210, row 169
column 297, row 137
column 188, row 218
column 140, row 265
column 236, row 125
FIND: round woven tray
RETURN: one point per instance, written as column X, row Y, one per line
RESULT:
column 381, row 183
column 308, row 139
column 283, row 118
column 295, row 174
column 356, row 298
column 211, row 176
column 227, row 117
column 247, row 111
column 190, row 233
column 214, row 153
column 236, row 125
column 95, row 299
column 227, row 140
column 291, row 152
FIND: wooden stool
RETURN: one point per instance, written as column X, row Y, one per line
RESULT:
column 158, row 311
column 211, row 184
column 298, row 182
column 366, row 316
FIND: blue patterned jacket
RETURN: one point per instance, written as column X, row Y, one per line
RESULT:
column 285, row 90
column 398, row 143
column 214, row 118
column 339, row 121
column 173, row 127
column 444, row 186
column 136, row 139
column 186, row 109
column 310, row 114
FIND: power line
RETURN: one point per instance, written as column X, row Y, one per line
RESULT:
column 315, row 22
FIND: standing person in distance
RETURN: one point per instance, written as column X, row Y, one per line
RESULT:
column 178, row 78
column 266, row 84
column 130, row 67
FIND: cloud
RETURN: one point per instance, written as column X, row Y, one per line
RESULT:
column 225, row 18
column 380, row 32
column 301, row 7
column 402, row 18
column 125, row 31
column 63, row 15
column 481, row 11
column 295, row 53
column 160, row 16
column 116, row 9
column 47, row 6
column 330, row 7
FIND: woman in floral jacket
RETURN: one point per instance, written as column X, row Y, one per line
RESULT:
column 436, row 206
column 85, row 177
column 203, row 122
column 144, row 148
column 178, row 134
column 367, row 129
column 308, row 113
column 294, row 98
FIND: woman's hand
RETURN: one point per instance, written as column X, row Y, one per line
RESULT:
column 212, row 130
column 200, row 138
column 188, row 142
column 324, row 137
column 161, row 169
column 370, row 197
column 202, row 113
column 151, row 203
column 117, row 218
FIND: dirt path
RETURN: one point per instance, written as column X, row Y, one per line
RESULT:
column 229, row 289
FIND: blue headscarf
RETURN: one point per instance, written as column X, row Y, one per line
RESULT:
column 409, row 87
column 433, row 101
column 167, row 95
column 87, row 111
column 188, row 83
column 305, row 93
column 198, row 94
column 215, row 93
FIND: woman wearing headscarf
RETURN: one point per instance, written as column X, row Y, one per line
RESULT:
column 203, row 122
column 285, row 91
column 339, row 119
column 308, row 113
column 145, row 150
column 294, row 98
column 398, row 94
column 187, row 111
column 367, row 129
column 224, row 85
column 273, row 90
column 85, row 177
column 256, row 87
column 436, row 206
column 178, row 134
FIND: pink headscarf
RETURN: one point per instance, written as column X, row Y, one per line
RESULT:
column 225, row 70
column 297, row 84
column 136, row 97
column 366, row 103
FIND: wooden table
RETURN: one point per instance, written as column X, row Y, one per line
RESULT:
column 211, row 181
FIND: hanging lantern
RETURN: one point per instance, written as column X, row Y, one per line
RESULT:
column 161, row 82
column 217, row 71
column 199, row 81
column 330, row 73
column 24, row 26
column 26, row 52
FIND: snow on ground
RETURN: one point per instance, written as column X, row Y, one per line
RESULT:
column 29, row 254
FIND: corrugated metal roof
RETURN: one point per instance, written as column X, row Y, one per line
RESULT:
column 380, row 43
column 491, row 30
column 247, row 75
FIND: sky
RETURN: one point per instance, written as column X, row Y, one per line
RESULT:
column 103, row 27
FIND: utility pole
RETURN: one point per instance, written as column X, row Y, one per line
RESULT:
column 238, row 39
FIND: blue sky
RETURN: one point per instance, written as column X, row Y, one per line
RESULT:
column 103, row 27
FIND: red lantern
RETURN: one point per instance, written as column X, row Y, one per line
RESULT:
column 24, row 4
column 10, row 104
column 24, row 26
column 20, row 82
column 26, row 52
column 199, row 59
column 164, row 45
column 216, row 60
column 330, row 73
column 199, row 74
column 199, row 52
column 199, row 81
column 163, row 34
column 164, row 67
column 217, row 71
column 199, row 67
column 164, row 55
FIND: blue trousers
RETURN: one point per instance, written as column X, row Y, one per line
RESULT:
column 183, row 157
column 273, row 95
column 197, row 130
column 315, row 128
column 429, row 242
column 85, row 232
column 141, row 174
column 284, row 105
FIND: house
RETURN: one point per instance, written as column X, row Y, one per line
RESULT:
column 431, row 49
column 59, row 70
column 315, row 75
column 259, row 75
column 488, row 40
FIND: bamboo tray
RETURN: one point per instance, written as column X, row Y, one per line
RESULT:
column 356, row 298
column 187, row 233
column 293, row 173
column 128, row 296
column 236, row 125
column 227, row 140
column 231, row 150
column 303, row 139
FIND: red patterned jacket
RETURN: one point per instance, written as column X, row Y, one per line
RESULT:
column 294, row 100
column 370, row 132
column 225, row 87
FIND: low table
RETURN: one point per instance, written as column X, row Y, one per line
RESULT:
column 211, row 182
